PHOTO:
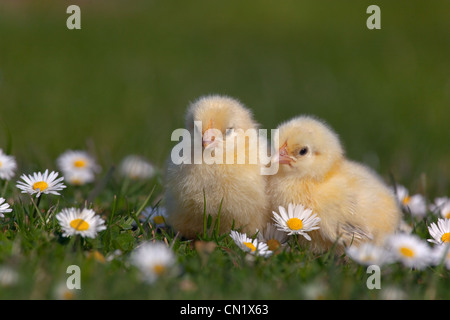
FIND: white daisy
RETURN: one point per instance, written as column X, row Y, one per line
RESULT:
column 135, row 167
column 274, row 238
column 117, row 253
column 253, row 247
column 401, row 193
column 409, row 250
column 368, row 254
column 84, row 222
column 76, row 160
column 41, row 183
column 62, row 292
column 441, row 254
column 297, row 220
column 393, row 293
column 438, row 204
column 158, row 216
column 153, row 259
column 416, row 204
column 8, row 166
column 440, row 231
column 404, row 227
column 8, row 276
column 445, row 210
column 4, row 207
column 315, row 290
column 79, row 177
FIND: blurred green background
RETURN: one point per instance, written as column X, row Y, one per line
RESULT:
column 121, row 84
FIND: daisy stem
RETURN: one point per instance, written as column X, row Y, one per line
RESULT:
column 4, row 188
column 50, row 211
column 124, row 186
column 296, row 241
column 138, row 223
column 113, row 209
column 436, row 276
column 80, row 244
column 136, row 215
column 76, row 244
column 144, row 204
column 204, row 213
column 217, row 222
column 36, row 208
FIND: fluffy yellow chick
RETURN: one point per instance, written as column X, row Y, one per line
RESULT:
column 353, row 203
column 241, row 186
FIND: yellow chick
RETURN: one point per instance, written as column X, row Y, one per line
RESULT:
column 220, row 122
column 353, row 203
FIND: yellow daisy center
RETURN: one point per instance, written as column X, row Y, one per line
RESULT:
column 447, row 215
column 97, row 256
column 79, row 225
column 367, row 258
column 76, row 182
column 446, row 237
column 68, row 295
column 406, row 200
column 273, row 244
column 159, row 269
column 159, row 219
column 407, row 252
column 79, row 163
column 0, row 164
column 250, row 246
column 295, row 224
column 41, row 185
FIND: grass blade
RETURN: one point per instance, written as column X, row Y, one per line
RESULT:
column 141, row 208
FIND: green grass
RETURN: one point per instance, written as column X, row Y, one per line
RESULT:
column 121, row 85
column 40, row 256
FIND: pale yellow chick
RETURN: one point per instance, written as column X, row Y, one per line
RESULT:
column 241, row 186
column 353, row 203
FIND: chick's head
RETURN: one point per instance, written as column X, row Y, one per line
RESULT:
column 219, row 116
column 309, row 148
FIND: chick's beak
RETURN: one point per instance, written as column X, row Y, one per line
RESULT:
column 283, row 155
column 207, row 137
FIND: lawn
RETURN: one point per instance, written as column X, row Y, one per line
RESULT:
column 121, row 85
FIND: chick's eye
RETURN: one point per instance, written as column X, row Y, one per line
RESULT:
column 303, row 151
